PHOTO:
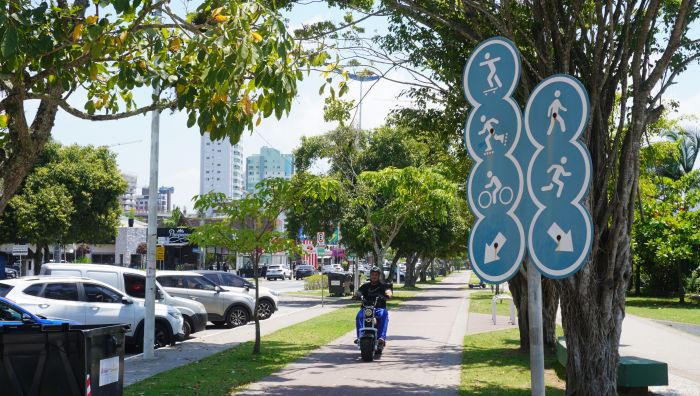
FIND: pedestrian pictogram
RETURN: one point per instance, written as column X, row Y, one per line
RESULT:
column 558, row 176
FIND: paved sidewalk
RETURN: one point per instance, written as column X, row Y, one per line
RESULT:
column 423, row 354
column 645, row 338
column 137, row 369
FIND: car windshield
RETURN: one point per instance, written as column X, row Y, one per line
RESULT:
column 9, row 314
column 4, row 289
column 275, row 267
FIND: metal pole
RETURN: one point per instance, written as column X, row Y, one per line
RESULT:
column 534, row 311
column 149, row 323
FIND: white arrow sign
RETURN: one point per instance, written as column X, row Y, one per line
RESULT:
column 565, row 242
column 491, row 251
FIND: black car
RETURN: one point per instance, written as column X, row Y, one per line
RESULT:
column 302, row 271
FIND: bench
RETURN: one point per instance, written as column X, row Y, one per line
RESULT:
column 634, row 374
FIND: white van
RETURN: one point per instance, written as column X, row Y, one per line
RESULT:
column 133, row 283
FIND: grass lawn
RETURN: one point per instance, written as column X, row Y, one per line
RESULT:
column 664, row 309
column 492, row 364
column 229, row 371
column 481, row 303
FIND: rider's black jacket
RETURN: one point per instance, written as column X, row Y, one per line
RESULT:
column 370, row 292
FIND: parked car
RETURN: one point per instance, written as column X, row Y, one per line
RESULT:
column 278, row 271
column 223, row 307
column 12, row 315
column 268, row 300
column 133, row 283
column 11, row 273
column 91, row 302
column 332, row 268
column 304, row 270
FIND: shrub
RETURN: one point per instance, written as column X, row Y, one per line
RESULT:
column 692, row 283
column 313, row 282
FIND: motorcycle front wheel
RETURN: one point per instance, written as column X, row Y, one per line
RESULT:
column 367, row 349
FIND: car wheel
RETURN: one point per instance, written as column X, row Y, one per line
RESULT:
column 237, row 316
column 265, row 309
column 187, row 327
column 161, row 338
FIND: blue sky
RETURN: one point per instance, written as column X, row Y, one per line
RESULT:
column 179, row 146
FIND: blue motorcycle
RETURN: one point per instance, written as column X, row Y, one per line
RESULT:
column 369, row 340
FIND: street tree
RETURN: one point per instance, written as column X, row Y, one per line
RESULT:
column 251, row 225
column 226, row 64
column 71, row 195
column 606, row 45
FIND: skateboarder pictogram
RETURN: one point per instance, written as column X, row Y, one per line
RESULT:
column 554, row 111
column 490, row 132
column 559, row 171
column 492, row 78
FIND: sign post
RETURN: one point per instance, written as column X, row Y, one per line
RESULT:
column 20, row 250
column 558, row 232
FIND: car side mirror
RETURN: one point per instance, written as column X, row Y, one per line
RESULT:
column 26, row 318
column 126, row 300
column 218, row 289
column 247, row 288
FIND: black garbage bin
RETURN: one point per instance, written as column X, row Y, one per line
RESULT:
column 339, row 283
column 62, row 360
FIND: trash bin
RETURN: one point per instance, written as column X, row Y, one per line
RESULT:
column 339, row 283
column 62, row 360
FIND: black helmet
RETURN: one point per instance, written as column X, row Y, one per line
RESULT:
column 375, row 269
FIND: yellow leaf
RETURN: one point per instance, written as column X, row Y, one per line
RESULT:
column 221, row 18
column 3, row 120
column 247, row 106
column 122, row 37
column 93, row 72
column 77, row 32
column 180, row 88
column 142, row 64
column 91, row 20
column 216, row 11
column 257, row 37
column 98, row 104
column 258, row 121
column 175, row 44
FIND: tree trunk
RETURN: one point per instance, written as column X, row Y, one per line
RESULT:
column 432, row 270
column 681, row 289
column 423, row 270
column 550, row 303
column 256, row 265
column 410, row 277
column 392, row 268
column 638, row 279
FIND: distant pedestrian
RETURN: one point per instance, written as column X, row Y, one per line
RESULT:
column 218, row 266
column 225, row 267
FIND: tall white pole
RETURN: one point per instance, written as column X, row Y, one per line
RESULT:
column 534, row 312
column 149, row 323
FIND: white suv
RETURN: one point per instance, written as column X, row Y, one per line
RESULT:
column 91, row 302
column 278, row 271
column 223, row 307
column 268, row 300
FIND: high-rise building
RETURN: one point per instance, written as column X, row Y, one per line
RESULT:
column 165, row 200
column 268, row 164
column 221, row 168
column 128, row 199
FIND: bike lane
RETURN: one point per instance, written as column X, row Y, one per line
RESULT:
column 423, row 353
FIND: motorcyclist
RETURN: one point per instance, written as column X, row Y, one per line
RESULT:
column 370, row 291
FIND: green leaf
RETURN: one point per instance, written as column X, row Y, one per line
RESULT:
column 191, row 119
column 322, row 89
column 8, row 47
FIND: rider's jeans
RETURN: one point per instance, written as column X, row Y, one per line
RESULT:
column 382, row 316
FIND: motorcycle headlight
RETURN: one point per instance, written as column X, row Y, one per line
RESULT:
column 369, row 312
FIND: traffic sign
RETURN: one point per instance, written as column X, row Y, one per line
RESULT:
column 20, row 250
column 496, row 182
column 321, row 238
column 160, row 253
column 558, row 176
